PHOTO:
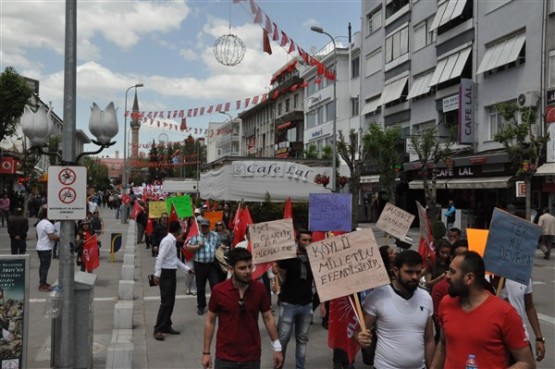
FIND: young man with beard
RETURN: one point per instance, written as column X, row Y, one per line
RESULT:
column 474, row 322
column 236, row 303
column 403, row 316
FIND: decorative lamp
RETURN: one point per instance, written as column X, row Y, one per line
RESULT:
column 37, row 125
column 103, row 124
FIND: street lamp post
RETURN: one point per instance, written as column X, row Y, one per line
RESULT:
column 334, row 127
column 124, row 179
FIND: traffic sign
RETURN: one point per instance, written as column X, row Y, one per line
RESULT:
column 67, row 192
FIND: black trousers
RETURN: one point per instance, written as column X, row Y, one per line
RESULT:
column 19, row 247
column 205, row 272
column 167, row 286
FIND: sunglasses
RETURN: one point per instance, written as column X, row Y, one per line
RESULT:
column 242, row 306
column 219, row 225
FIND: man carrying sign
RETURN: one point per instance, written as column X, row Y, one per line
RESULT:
column 296, row 299
column 403, row 316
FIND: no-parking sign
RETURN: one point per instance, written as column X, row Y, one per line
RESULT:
column 67, row 192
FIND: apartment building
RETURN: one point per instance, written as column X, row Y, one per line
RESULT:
column 446, row 64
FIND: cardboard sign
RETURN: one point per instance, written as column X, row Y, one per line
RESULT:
column 182, row 204
column 330, row 212
column 395, row 221
column 346, row 264
column 272, row 241
column 156, row 209
column 511, row 246
column 213, row 217
column 477, row 239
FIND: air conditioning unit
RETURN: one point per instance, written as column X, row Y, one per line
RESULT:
column 528, row 98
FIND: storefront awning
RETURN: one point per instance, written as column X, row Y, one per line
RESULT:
column 450, row 67
column 371, row 106
column 420, row 86
column 502, row 53
column 547, row 169
column 446, row 12
column 480, row 183
column 393, row 91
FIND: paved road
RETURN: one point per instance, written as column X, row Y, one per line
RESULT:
column 184, row 351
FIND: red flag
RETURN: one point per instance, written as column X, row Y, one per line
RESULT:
column 268, row 26
column 284, row 39
column 258, row 16
column 7, row 165
column 173, row 215
column 149, row 227
column 90, row 253
column 343, row 325
column 193, row 231
column 288, row 210
column 207, row 203
column 291, row 47
column 183, row 124
column 137, row 209
column 242, row 220
column 275, row 37
column 266, row 43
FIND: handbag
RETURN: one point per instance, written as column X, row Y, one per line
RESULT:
column 221, row 259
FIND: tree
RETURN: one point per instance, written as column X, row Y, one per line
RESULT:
column 97, row 173
column 311, row 152
column 354, row 155
column 53, row 145
column 431, row 151
column 14, row 95
column 382, row 146
column 523, row 145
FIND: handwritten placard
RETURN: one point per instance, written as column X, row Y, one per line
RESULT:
column 156, row 209
column 511, row 246
column 346, row 264
column 330, row 212
column 182, row 204
column 272, row 241
column 395, row 221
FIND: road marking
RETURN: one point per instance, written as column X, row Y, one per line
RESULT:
column 538, row 282
column 177, row 297
column 96, row 299
column 546, row 318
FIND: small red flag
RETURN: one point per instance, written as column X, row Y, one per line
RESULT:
column 193, row 231
column 266, row 42
column 288, row 210
column 343, row 325
column 90, row 253
column 284, row 39
column 137, row 209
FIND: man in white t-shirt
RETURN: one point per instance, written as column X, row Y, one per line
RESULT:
column 403, row 316
column 46, row 239
column 520, row 296
column 91, row 204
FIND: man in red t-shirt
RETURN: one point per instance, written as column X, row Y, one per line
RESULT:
column 236, row 303
column 474, row 322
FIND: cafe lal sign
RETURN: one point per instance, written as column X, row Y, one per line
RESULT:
column 456, row 172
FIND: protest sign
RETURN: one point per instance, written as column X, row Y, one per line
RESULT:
column 182, row 204
column 272, row 241
column 395, row 221
column 511, row 246
column 156, row 209
column 330, row 212
column 213, row 217
column 346, row 264
column 477, row 239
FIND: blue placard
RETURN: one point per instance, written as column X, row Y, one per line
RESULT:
column 511, row 246
column 330, row 212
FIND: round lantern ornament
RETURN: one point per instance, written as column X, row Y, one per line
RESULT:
column 229, row 50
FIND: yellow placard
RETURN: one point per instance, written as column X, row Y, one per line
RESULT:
column 156, row 209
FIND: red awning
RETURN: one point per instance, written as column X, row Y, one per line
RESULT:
column 284, row 125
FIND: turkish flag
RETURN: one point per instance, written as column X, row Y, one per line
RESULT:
column 242, row 220
column 90, row 253
column 126, row 199
column 343, row 325
column 173, row 216
column 137, row 209
column 149, row 227
column 7, row 165
column 193, row 231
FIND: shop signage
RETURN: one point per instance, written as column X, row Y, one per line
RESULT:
column 466, row 111
column 520, row 188
column 450, row 103
column 317, row 133
column 456, row 172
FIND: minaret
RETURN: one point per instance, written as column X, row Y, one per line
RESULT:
column 135, row 128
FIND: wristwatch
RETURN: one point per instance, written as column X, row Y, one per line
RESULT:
column 540, row 339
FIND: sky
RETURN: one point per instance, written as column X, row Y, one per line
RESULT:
column 166, row 45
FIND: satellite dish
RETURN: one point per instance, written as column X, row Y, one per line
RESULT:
column 163, row 138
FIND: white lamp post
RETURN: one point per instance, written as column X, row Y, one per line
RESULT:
column 124, row 179
column 334, row 127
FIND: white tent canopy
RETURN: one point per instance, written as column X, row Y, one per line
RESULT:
column 253, row 180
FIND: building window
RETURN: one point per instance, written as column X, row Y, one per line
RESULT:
column 287, row 105
column 311, row 119
column 321, row 118
column 506, row 53
column 551, row 6
column 397, row 44
column 393, row 6
column 279, row 109
column 330, row 111
column 422, row 34
column 551, row 79
column 295, row 101
column 374, row 62
column 355, row 67
column 374, row 21
column 354, row 106
column 496, row 123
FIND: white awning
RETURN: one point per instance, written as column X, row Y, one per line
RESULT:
column 371, row 106
column 420, row 86
column 547, row 169
column 502, row 53
column 450, row 67
column 393, row 91
column 478, row 183
column 446, row 12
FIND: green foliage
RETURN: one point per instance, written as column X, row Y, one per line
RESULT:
column 53, row 145
column 14, row 95
column 97, row 173
column 438, row 230
column 311, row 152
column 327, row 152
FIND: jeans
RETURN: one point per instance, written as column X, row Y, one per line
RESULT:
column 301, row 317
column 19, row 247
column 226, row 364
column 45, row 258
column 205, row 272
column 167, row 286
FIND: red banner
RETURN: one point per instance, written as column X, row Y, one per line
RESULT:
column 7, row 165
